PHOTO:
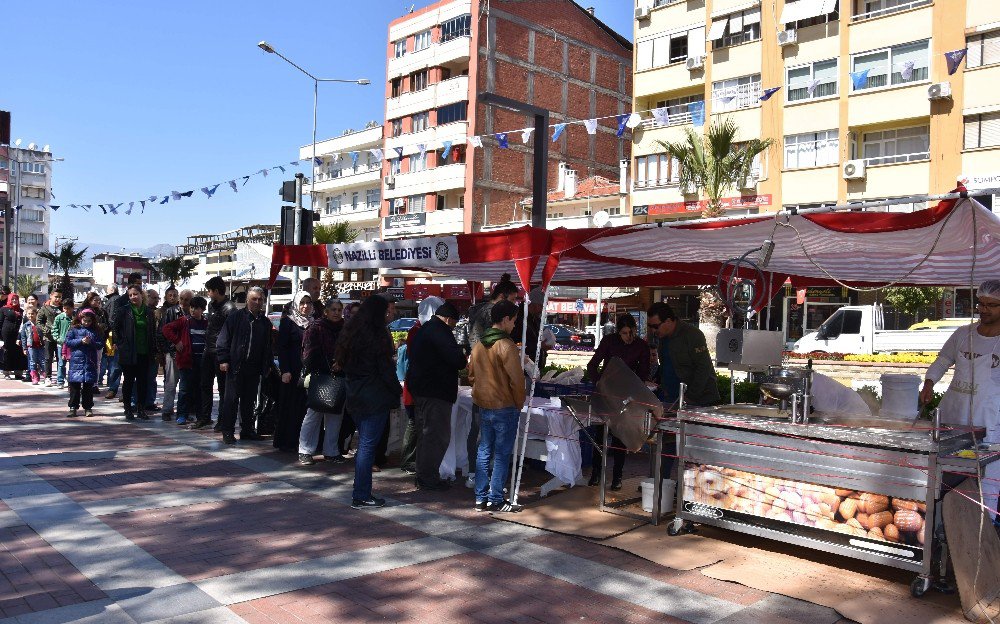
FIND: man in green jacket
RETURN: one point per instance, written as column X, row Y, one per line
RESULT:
column 46, row 318
column 684, row 358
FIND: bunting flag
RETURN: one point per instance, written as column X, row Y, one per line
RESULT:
column 475, row 141
column 954, row 59
column 166, row 198
column 130, row 206
column 143, row 204
column 336, row 157
column 377, row 153
column 860, row 79
column 103, row 209
column 907, row 72
column 697, row 110
column 245, row 180
column 502, row 138
column 232, row 185
column 399, row 152
column 727, row 98
column 54, row 207
column 590, row 125
column 447, row 150
column 422, row 148
column 622, row 120
column 557, row 131
column 174, row 195
column 264, row 171
column 318, row 161
column 662, row 116
column 633, row 121
column 811, row 87
column 114, row 208
column 209, row 191
column 354, row 158
column 526, row 135
column 278, row 167
column 295, row 163
column 152, row 198
column 768, row 93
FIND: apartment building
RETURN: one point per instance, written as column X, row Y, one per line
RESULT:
column 549, row 53
column 866, row 109
column 27, row 175
column 348, row 183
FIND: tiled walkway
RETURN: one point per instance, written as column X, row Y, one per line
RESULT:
column 114, row 522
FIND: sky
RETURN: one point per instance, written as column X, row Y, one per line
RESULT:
column 145, row 98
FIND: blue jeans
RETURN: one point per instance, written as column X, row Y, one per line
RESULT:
column 61, row 363
column 114, row 372
column 370, row 427
column 497, row 432
column 36, row 360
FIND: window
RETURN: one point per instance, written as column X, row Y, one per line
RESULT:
column 395, row 166
column 678, row 112
column 736, row 93
column 354, row 200
column 812, row 149
column 372, row 198
column 908, row 63
column 29, row 167
column 333, row 205
column 666, row 49
column 896, row 146
column 397, row 127
column 371, row 234
column 805, row 13
column 983, row 49
column 420, row 121
column 740, row 27
column 421, row 41
column 868, row 9
column 416, row 204
column 456, row 27
column 33, row 192
column 399, row 48
column 452, row 112
column 656, row 170
column 397, row 206
column 397, row 87
column 982, row 130
column 801, row 78
column 29, row 262
column 33, row 215
column 29, row 238
column 418, row 162
column 418, row 81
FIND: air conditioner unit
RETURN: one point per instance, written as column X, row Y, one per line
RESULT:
column 688, row 189
column 695, row 62
column 854, row 170
column 389, row 180
column 939, row 91
column 788, row 37
column 642, row 12
column 749, row 182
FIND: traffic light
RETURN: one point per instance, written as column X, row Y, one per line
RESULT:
column 287, row 236
column 287, row 191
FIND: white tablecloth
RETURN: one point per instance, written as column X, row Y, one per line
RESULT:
column 457, row 455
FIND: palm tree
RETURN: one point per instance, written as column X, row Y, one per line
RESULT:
column 715, row 162
column 65, row 259
column 175, row 269
column 26, row 285
column 332, row 234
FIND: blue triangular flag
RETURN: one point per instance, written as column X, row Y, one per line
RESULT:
column 502, row 138
column 152, row 198
column 54, row 208
column 187, row 193
column 697, row 110
column 399, row 151
column 280, row 167
column 622, row 120
column 232, row 185
column 130, row 206
column 354, row 158
column 143, row 204
column 860, row 79
column 954, row 59
column 318, row 161
column 768, row 93
column 166, row 198
column 209, row 191
column 114, row 208
column 557, row 131
column 447, row 150
column 294, row 163
column 103, row 209
column 265, row 171
column 245, row 180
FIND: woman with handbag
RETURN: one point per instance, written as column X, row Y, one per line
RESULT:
column 291, row 395
column 326, row 386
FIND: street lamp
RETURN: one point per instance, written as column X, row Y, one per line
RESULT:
column 266, row 47
column 15, row 165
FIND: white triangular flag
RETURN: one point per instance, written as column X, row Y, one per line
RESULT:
column 591, row 125
column 633, row 120
column 526, row 135
column 662, row 115
column 475, row 141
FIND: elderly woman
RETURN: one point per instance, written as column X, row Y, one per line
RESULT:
column 318, row 352
column 291, row 398
column 133, row 334
column 634, row 351
column 11, row 317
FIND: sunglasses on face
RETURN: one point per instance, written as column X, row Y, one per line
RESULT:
column 985, row 304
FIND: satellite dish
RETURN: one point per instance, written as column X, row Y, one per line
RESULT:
column 46, row 149
column 601, row 218
column 17, row 143
column 31, row 146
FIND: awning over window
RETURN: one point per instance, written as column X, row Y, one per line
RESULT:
column 718, row 29
column 803, row 10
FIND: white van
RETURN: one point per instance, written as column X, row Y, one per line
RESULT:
column 860, row 330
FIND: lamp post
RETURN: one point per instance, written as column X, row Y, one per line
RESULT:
column 13, row 205
column 266, row 47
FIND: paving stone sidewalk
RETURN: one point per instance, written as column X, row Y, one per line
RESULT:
column 103, row 521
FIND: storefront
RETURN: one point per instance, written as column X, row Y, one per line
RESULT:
column 805, row 309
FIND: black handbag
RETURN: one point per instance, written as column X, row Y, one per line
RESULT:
column 327, row 393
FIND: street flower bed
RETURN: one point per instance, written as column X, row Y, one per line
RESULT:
column 884, row 358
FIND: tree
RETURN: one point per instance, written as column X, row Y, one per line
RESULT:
column 26, row 285
column 716, row 162
column 911, row 300
column 66, row 258
column 332, row 234
column 175, row 269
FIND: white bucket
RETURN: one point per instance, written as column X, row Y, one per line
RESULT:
column 667, row 490
column 900, row 396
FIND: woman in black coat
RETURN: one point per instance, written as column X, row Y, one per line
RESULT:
column 134, row 337
column 318, row 351
column 291, row 398
column 11, row 318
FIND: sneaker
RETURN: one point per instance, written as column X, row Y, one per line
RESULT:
column 336, row 459
column 201, row 424
column 371, row 502
column 306, row 459
column 470, row 482
column 72, row 414
column 129, row 416
column 480, row 506
column 218, row 427
column 408, row 470
column 181, row 420
column 111, row 394
column 62, row 386
column 504, row 507
column 228, row 438
column 88, row 414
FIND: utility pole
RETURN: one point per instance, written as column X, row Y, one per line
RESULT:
column 298, row 225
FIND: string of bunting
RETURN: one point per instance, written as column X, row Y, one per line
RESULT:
column 693, row 112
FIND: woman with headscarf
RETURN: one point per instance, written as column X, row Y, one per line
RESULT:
column 318, row 351
column 291, row 398
column 411, row 437
column 134, row 340
column 11, row 317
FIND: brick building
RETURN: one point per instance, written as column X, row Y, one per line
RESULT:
column 550, row 53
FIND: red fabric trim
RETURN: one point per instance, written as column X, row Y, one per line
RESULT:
column 296, row 255
column 876, row 222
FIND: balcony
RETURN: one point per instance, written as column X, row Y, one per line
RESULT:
column 893, row 180
column 450, row 221
column 449, row 91
column 363, row 213
column 336, row 180
column 436, row 180
column 452, row 51
column 456, row 132
column 889, row 10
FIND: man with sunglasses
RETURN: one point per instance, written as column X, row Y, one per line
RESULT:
column 973, row 398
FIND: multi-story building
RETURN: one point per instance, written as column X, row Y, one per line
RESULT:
column 867, row 109
column 114, row 268
column 27, row 174
column 548, row 53
column 348, row 183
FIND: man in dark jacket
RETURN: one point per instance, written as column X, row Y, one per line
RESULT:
column 243, row 350
column 684, row 358
column 432, row 379
column 219, row 309
column 170, row 312
column 45, row 320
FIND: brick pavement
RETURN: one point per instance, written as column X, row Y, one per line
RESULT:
column 192, row 529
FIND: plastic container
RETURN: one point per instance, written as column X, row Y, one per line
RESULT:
column 900, row 396
column 667, row 490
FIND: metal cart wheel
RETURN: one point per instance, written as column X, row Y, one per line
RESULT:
column 919, row 586
column 679, row 526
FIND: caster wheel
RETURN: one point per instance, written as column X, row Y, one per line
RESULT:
column 675, row 528
column 919, row 586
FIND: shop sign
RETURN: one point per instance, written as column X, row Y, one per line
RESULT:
column 396, row 225
column 411, row 252
column 462, row 291
column 978, row 181
column 568, row 292
column 574, row 307
column 419, row 292
column 728, row 203
column 397, row 294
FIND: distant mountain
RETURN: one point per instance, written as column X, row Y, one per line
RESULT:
column 162, row 249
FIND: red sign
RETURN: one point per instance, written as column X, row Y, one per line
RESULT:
column 462, row 292
column 569, row 307
column 728, row 203
column 418, row 292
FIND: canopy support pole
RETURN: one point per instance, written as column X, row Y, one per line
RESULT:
column 518, row 458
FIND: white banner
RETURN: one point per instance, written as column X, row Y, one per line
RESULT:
column 413, row 252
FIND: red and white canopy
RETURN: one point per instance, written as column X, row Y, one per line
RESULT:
column 955, row 243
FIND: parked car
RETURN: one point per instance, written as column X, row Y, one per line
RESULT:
column 861, row 329
column 402, row 324
column 945, row 323
column 568, row 336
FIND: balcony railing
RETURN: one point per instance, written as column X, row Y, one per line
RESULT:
column 887, row 10
column 677, row 115
column 334, row 174
column 897, row 158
